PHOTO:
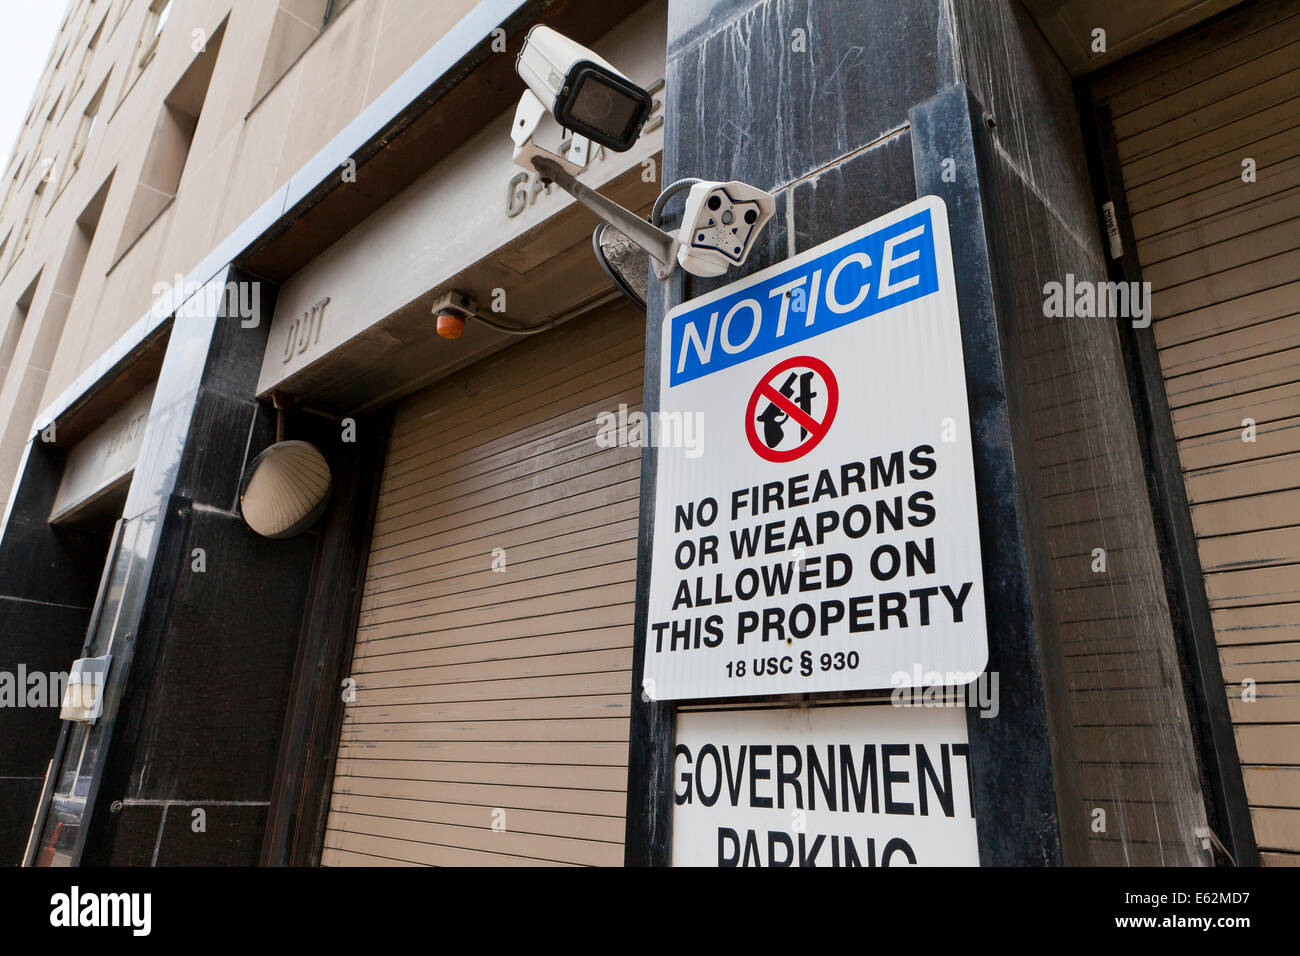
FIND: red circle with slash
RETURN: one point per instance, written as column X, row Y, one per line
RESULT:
column 816, row 429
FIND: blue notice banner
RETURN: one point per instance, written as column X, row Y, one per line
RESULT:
column 818, row 291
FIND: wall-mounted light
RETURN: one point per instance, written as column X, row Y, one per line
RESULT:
column 450, row 325
column 83, row 697
column 453, row 309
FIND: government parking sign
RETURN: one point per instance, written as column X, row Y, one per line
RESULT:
column 824, row 535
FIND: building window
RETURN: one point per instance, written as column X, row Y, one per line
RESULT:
column 17, row 165
column 40, row 161
column 173, row 135
column 87, row 56
column 86, row 129
column 33, row 208
column 13, row 332
column 296, row 26
column 159, row 11
column 117, row 17
column 332, row 9
column 147, row 45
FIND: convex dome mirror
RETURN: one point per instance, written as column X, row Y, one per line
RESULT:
column 624, row 262
column 285, row 489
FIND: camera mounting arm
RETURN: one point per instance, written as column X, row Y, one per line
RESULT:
column 661, row 246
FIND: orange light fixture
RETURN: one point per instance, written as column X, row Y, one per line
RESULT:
column 450, row 325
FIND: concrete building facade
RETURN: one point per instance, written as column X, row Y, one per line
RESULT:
column 227, row 224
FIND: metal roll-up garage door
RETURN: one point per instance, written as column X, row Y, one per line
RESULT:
column 493, row 652
column 1208, row 133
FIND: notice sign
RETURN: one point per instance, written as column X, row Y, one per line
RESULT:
column 822, row 535
column 823, row 786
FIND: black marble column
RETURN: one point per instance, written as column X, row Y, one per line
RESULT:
column 202, row 704
column 847, row 109
column 202, row 619
column 816, row 102
column 48, row 579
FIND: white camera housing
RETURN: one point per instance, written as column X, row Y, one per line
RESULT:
column 581, row 90
column 720, row 224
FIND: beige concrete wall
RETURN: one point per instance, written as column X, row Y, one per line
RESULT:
column 249, row 140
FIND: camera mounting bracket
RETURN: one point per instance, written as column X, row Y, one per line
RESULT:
column 662, row 246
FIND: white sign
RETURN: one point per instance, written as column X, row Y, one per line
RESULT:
column 823, row 786
column 826, row 538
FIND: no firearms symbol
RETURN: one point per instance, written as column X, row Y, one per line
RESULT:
column 791, row 409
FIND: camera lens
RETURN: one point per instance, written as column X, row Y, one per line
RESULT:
column 714, row 202
column 604, row 110
column 596, row 103
column 751, row 217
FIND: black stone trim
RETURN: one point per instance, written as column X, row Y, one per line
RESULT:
column 300, row 798
column 1010, row 755
column 1225, row 785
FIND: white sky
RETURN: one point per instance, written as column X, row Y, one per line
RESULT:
column 27, row 31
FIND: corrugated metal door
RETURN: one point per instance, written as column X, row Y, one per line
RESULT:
column 493, row 653
column 1208, row 131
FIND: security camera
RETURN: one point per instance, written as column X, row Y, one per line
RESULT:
column 574, row 99
column 720, row 225
column 582, row 91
